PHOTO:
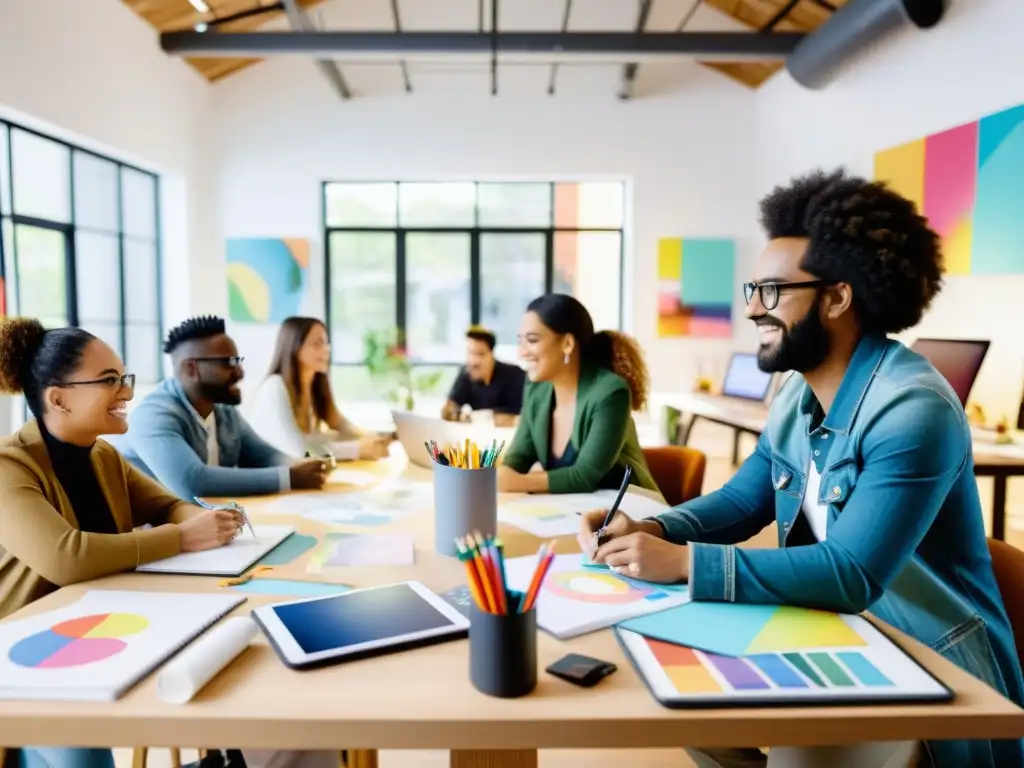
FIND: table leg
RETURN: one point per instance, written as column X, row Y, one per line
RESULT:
column 361, row 758
column 735, row 447
column 684, row 437
column 493, row 758
column 999, row 506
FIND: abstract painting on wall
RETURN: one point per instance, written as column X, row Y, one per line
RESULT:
column 267, row 278
column 695, row 287
column 966, row 181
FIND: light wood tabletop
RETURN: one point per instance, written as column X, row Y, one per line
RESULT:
column 423, row 699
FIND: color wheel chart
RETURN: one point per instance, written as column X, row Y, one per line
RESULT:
column 77, row 642
column 603, row 587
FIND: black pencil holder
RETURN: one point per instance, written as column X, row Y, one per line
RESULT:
column 503, row 650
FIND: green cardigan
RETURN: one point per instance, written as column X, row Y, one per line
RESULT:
column 603, row 434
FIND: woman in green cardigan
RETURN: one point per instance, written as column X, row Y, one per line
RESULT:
column 576, row 421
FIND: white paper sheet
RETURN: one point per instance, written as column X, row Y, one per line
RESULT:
column 550, row 515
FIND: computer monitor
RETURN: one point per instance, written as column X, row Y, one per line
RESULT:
column 744, row 379
column 958, row 360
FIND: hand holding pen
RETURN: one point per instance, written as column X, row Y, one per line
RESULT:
column 599, row 526
column 230, row 506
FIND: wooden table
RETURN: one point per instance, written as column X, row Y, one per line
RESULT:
column 1000, row 463
column 422, row 699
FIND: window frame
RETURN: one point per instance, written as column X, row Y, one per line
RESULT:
column 12, row 288
column 475, row 231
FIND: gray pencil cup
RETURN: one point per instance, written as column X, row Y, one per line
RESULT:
column 465, row 500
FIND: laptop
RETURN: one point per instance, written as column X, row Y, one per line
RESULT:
column 744, row 380
column 414, row 430
column 958, row 360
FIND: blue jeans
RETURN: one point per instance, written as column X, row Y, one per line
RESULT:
column 64, row 757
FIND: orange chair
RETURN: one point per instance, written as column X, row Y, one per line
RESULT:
column 678, row 471
column 1008, row 565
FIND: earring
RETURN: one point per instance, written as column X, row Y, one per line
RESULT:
column 566, row 359
column 62, row 409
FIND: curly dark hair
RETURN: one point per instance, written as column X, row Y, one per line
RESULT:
column 33, row 358
column 866, row 235
column 202, row 327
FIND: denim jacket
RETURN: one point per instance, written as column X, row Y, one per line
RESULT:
column 904, row 540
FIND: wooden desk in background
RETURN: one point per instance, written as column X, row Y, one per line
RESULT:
column 423, row 699
column 1000, row 462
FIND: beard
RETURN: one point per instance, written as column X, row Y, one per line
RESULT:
column 801, row 348
column 220, row 393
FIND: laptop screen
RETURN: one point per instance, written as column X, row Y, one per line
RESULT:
column 744, row 379
column 958, row 361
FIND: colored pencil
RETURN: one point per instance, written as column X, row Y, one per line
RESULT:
column 466, row 455
column 472, row 577
column 545, row 555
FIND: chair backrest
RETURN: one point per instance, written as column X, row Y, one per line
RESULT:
column 678, row 470
column 1008, row 565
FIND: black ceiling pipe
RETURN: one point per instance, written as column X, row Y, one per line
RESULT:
column 817, row 59
column 324, row 44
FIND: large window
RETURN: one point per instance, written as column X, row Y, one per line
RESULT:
column 80, row 244
column 426, row 260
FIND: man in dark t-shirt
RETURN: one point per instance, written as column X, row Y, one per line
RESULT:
column 485, row 383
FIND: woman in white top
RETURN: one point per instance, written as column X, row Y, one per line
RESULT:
column 293, row 409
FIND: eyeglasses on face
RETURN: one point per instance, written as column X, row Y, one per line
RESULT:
column 110, row 382
column 229, row 362
column 769, row 292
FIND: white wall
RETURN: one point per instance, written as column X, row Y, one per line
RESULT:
column 91, row 72
column 926, row 82
column 688, row 154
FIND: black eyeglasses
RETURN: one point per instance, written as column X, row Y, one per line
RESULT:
column 230, row 362
column 111, row 382
column 770, row 291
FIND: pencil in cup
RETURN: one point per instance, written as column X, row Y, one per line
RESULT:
column 465, row 455
column 484, row 560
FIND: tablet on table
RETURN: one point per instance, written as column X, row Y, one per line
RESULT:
column 359, row 623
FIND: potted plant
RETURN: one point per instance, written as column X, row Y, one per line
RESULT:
column 386, row 357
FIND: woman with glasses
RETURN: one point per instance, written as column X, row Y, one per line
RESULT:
column 294, row 409
column 71, row 504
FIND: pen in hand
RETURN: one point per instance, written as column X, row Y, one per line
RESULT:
column 600, row 535
column 232, row 506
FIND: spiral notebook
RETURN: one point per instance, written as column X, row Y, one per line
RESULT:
column 103, row 644
column 233, row 559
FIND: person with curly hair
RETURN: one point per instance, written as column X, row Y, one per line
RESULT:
column 73, row 508
column 865, row 464
column 189, row 435
column 577, row 421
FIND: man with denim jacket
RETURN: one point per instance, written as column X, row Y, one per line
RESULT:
column 865, row 464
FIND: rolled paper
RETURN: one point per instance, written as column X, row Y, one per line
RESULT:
column 185, row 675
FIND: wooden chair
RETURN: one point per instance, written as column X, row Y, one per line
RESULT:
column 1008, row 565
column 678, row 471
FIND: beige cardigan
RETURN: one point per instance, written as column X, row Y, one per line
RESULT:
column 41, row 546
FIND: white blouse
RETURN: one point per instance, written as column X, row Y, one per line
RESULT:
column 270, row 415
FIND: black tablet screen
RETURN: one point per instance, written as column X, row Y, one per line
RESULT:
column 359, row 617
